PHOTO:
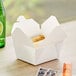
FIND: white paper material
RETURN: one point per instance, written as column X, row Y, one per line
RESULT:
column 21, row 18
column 29, row 26
column 47, row 49
column 48, row 26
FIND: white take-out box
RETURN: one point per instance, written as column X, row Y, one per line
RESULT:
column 47, row 49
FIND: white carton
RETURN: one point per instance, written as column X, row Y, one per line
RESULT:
column 47, row 49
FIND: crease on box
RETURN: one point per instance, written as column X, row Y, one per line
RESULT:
column 48, row 49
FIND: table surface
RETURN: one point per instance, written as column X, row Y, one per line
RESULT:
column 11, row 66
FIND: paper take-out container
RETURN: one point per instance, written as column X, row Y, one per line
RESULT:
column 47, row 49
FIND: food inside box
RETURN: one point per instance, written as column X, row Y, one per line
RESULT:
column 37, row 39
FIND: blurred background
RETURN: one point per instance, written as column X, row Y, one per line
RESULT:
column 40, row 10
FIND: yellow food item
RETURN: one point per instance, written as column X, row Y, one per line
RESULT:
column 38, row 38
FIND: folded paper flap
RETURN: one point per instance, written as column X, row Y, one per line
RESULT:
column 14, row 27
column 20, row 38
column 48, row 26
column 29, row 26
column 56, row 36
column 32, row 28
column 21, row 18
